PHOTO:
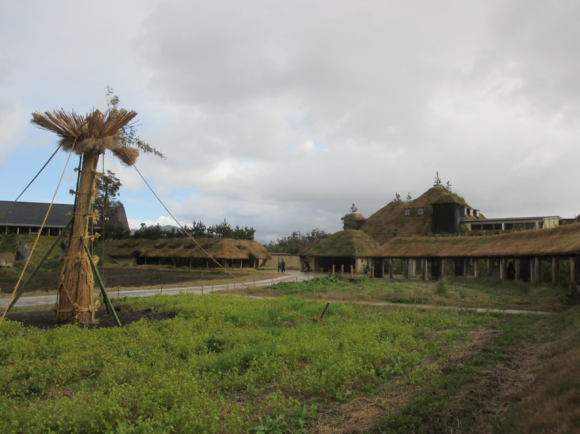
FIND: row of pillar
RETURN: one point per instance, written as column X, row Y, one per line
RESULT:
column 530, row 269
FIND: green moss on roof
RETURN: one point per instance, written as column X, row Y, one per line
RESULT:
column 562, row 240
column 219, row 248
column 351, row 243
column 390, row 221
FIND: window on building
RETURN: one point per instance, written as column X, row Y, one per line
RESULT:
column 488, row 227
column 475, row 227
column 497, row 226
column 407, row 211
column 420, row 211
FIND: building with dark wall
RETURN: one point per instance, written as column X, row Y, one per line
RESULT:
column 447, row 217
column 27, row 217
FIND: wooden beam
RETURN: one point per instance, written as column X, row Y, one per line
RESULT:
column 555, row 271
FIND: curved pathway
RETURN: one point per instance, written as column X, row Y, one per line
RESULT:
column 289, row 276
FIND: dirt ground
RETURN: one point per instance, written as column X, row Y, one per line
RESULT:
column 47, row 320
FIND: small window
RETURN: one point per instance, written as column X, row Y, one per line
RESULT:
column 497, row 226
column 487, row 227
column 475, row 227
column 407, row 211
column 420, row 211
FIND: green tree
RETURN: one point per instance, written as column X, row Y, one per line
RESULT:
column 128, row 134
column 408, row 198
column 295, row 242
column 398, row 197
column 353, row 209
column 437, row 182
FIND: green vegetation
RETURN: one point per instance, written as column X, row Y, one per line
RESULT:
column 296, row 242
column 224, row 364
column 453, row 291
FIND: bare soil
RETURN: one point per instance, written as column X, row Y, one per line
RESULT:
column 47, row 320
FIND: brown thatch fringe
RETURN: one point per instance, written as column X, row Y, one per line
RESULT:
column 96, row 125
column 126, row 154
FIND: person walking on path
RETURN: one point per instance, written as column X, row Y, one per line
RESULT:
column 283, row 266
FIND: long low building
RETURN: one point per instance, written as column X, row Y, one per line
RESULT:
column 525, row 250
column 27, row 217
column 184, row 252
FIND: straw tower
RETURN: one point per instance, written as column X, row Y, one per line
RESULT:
column 89, row 136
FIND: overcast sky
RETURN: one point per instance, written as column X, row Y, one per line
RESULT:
column 281, row 114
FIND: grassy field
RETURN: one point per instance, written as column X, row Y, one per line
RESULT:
column 455, row 291
column 227, row 364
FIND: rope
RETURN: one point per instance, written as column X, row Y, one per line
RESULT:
column 39, row 232
column 29, row 184
column 315, row 319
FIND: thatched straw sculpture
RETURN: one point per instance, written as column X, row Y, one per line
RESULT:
column 91, row 136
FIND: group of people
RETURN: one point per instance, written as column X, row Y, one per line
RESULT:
column 281, row 266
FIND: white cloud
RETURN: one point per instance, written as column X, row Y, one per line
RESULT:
column 280, row 115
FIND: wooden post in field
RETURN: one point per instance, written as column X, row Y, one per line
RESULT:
column 555, row 271
column 332, row 270
column 342, row 269
column 118, row 292
column 161, row 289
column 351, row 271
column 202, row 289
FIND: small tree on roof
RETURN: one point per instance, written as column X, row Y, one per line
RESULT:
column 353, row 209
column 408, row 198
column 437, row 182
column 448, row 186
column 398, row 197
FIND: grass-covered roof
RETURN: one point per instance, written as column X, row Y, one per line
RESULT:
column 390, row 221
column 219, row 248
column 562, row 240
column 351, row 243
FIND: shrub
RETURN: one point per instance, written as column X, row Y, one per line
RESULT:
column 441, row 287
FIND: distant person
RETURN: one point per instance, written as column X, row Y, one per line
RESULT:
column 306, row 265
column 283, row 266
column 511, row 271
column 368, row 268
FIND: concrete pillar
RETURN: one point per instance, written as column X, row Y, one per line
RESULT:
column 411, row 268
column 556, row 271
column 391, row 268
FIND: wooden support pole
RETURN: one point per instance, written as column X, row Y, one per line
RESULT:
column 333, row 270
column 351, row 271
column 102, row 285
column 342, row 269
column 424, row 268
column 391, row 268
column 555, row 271
column 537, row 270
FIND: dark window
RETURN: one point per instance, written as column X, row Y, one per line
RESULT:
column 508, row 226
column 518, row 225
column 475, row 227
column 497, row 226
column 420, row 211
column 487, row 227
column 407, row 211
column 530, row 226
